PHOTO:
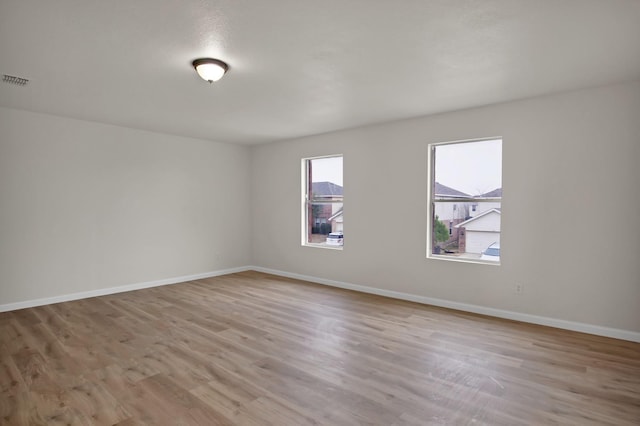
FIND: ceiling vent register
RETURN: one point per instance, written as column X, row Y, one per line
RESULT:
column 12, row 79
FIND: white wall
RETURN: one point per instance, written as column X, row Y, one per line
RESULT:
column 568, row 159
column 490, row 222
column 86, row 206
column 483, row 207
column 445, row 212
column 478, row 241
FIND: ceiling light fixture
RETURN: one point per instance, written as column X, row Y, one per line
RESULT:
column 210, row 69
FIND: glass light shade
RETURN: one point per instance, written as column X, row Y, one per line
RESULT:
column 210, row 69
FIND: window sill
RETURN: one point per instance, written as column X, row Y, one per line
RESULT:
column 476, row 261
column 323, row 246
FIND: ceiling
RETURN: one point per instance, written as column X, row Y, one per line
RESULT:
column 304, row 67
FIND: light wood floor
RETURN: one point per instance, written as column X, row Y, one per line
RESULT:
column 254, row 349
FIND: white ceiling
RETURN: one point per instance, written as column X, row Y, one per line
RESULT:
column 304, row 67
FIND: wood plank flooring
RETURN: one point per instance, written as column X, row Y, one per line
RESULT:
column 255, row 349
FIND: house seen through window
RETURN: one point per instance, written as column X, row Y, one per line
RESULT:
column 465, row 201
column 322, row 218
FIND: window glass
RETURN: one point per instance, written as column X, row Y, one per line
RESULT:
column 465, row 205
column 323, row 201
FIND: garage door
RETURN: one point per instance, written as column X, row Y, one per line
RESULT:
column 478, row 241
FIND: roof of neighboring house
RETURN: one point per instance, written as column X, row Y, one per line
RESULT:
column 492, row 194
column 326, row 189
column 473, row 219
column 336, row 215
column 443, row 190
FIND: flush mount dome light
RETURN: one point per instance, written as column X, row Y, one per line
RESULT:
column 210, row 69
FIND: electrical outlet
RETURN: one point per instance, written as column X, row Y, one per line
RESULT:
column 518, row 288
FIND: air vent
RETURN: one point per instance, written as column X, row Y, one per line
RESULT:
column 12, row 79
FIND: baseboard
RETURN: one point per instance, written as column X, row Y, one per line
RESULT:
column 499, row 313
column 119, row 289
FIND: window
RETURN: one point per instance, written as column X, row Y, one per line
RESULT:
column 322, row 199
column 465, row 191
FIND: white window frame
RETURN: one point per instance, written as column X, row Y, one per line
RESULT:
column 306, row 201
column 431, row 165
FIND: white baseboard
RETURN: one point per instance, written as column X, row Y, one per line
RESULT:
column 119, row 289
column 615, row 333
column 500, row 313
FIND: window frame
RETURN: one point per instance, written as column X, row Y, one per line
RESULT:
column 431, row 180
column 307, row 203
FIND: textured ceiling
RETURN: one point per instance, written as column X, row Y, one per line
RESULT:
column 304, row 67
